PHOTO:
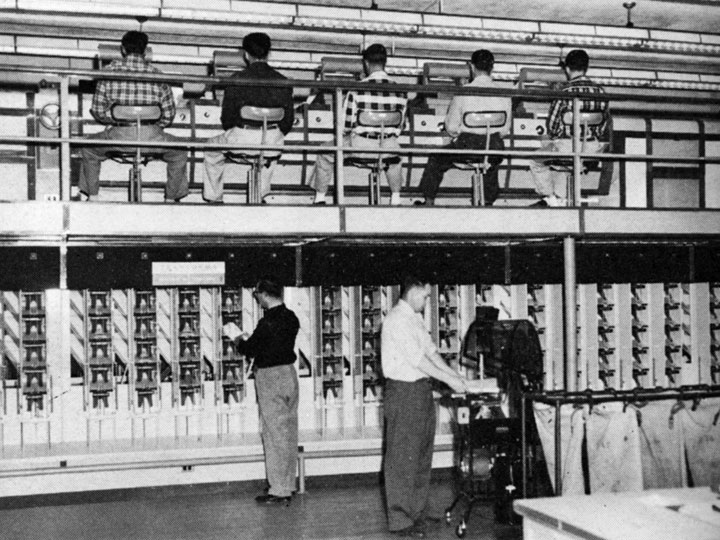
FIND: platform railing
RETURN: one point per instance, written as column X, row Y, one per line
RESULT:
column 65, row 77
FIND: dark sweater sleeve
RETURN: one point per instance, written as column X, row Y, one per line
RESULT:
column 255, row 342
column 232, row 102
column 286, row 123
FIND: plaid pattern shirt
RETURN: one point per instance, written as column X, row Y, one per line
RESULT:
column 581, row 85
column 128, row 92
column 376, row 100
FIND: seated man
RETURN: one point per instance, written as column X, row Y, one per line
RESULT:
column 464, row 137
column 125, row 92
column 552, row 184
column 359, row 136
column 256, row 48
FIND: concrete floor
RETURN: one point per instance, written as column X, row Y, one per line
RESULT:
column 349, row 511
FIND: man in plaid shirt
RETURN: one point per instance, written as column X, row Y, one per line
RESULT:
column 552, row 184
column 127, row 92
column 358, row 136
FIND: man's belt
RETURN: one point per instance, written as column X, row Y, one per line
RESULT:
column 376, row 135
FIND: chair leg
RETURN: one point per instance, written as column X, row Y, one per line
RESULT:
column 373, row 188
column 138, row 185
column 475, row 190
column 481, row 187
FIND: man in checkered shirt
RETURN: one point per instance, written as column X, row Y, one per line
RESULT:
column 549, row 183
column 359, row 136
column 127, row 92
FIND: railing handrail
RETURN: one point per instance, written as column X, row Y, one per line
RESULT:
column 321, row 148
column 214, row 81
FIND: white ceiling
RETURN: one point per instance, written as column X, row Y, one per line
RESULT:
column 690, row 15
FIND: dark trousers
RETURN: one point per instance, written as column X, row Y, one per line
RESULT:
column 409, row 437
column 439, row 164
column 176, row 158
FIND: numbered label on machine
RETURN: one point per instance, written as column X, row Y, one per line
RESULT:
column 463, row 415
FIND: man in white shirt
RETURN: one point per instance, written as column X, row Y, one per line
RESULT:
column 470, row 138
column 409, row 359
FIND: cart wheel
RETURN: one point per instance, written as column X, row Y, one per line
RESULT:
column 448, row 518
column 461, row 530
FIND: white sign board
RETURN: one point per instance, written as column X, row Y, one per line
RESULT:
column 171, row 274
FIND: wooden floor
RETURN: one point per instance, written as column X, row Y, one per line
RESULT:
column 349, row 511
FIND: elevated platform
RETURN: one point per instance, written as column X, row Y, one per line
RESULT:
column 76, row 223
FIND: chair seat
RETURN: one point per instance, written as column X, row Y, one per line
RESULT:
column 468, row 164
column 567, row 165
column 369, row 162
column 248, row 158
column 128, row 157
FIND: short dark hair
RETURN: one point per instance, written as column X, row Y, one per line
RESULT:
column 411, row 281
column 257, row 45
column 269, row 286
column 135, row 42
column 483, row 60
column 577, row 60
column 375, row 54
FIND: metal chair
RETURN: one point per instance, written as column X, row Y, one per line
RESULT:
column 476, row 120
column 587, row 120
column 382, row 120
column 136, row 115
column 257, row 159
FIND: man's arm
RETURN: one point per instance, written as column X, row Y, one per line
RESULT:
column 350, row 110
column 288, row 120
column 100, row 108
column 430, row 367
column 167, row 106
column 554, row 119
column 230, row 116
column 453, row 118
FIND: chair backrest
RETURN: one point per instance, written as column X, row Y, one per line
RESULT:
column 587, row 118
column 262, row 114
column 484, row 119
column 381, row 119
column 133, row 113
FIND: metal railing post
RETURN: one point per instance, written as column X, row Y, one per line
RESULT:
column 339, row 168
column 64, row 134
column 574, row 191
column 558, row 450
column 570, row 285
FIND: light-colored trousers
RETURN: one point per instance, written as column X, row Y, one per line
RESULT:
column 549, row 181
column 278, row 394
column 215, row 159
column 324, row 171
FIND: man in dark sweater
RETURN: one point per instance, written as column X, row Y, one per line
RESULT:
column 256, row 48
column 272, row 345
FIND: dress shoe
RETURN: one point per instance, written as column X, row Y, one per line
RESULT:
column 272, row 499
column 413, row 531
column 319, row 203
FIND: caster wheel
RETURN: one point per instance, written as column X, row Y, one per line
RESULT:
column 448, row 518
column 461, row 530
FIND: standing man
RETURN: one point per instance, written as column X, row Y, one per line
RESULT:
column 126, row 92
column 551, row 185
column 272, row 345
column 470, row 138
column 359, row 136
column 409, row 360
column 256, row 49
